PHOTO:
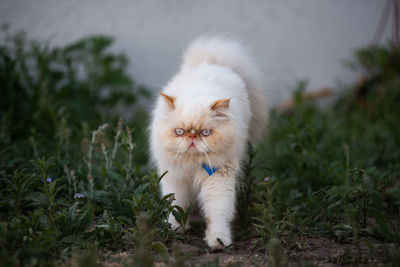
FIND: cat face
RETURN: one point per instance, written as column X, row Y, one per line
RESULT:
column 197, row 129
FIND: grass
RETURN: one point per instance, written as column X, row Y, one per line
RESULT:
column 75, row 185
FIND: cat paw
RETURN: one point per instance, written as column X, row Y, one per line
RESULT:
column 211, row 239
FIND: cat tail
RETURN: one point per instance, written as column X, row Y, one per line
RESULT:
column 230, row 53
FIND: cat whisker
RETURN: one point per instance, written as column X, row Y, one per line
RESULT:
column 174, row 158
column 208, row 149
column 208, row 159
column 179, row 150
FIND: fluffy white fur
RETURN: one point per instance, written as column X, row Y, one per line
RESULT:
column 217, row 88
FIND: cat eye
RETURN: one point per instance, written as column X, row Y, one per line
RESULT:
column 206, row 132
column 179, row 131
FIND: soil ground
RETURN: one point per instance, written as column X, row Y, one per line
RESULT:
column 315, row 251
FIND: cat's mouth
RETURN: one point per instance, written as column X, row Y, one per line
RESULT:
column 192, row 148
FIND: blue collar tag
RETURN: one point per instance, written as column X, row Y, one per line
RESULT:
column 208, row 169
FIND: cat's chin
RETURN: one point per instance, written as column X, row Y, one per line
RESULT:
column 192, row 150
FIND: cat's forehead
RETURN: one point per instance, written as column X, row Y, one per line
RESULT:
column 193, row 112
column 193, row 116
column 188, row 106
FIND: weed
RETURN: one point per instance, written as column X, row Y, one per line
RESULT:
column 182, row 216
column 246, row 191
column 275, row 254
column 90, row 257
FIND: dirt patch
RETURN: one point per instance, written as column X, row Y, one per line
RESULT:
column 316, row 251
column 321, row 251
column 240, row 255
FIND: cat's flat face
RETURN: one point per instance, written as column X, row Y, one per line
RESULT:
column 200, row 130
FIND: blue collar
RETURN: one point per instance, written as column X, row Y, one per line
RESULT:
column 210, row 170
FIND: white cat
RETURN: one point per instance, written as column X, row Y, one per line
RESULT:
column 200, row 128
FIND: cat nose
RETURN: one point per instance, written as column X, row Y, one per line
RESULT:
column 192, row 134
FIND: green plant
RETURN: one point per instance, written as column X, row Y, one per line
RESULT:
column 182, row 217
column 275, row 254
column 143, row 238
column 246, row 191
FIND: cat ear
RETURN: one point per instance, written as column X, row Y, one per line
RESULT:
column 169, row 99
column 221, row 104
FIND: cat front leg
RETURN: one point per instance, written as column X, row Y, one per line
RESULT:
column 180, row 187
column 217, row 198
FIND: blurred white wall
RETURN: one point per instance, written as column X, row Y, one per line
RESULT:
column 290, row 39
